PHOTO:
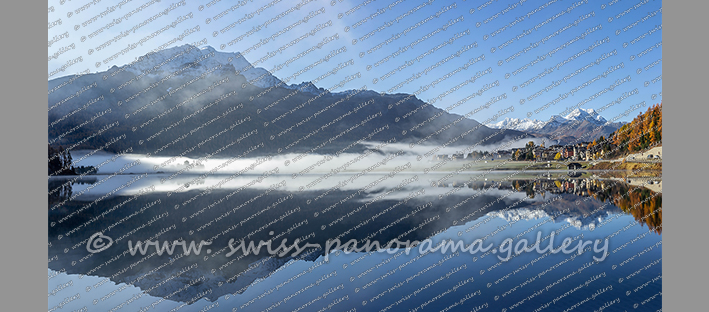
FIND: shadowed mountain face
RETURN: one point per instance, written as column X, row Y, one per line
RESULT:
column 192, row 101
column 578, row 131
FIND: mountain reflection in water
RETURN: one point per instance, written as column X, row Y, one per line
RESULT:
column 403, row 207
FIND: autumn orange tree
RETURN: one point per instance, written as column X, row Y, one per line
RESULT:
column 644, row 131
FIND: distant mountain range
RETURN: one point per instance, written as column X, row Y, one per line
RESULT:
column 195, row 101
column 579, row 125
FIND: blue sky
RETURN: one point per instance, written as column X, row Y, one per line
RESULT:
column 630, row 28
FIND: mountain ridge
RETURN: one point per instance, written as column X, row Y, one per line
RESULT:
column 193, row 101
column 578, row 124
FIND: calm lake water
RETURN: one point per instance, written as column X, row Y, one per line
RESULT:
column 381, row 207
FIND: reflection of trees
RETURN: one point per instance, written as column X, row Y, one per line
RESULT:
column 58, row 191
column 642, row 203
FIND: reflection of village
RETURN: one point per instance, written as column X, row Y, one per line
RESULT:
column 579, row 187
column 635, row 198
column 584, row 151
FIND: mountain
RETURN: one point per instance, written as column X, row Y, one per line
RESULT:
column 174, row 59
column 525, row 124
column 533, row 125
column 579, row 125
column 581, row 114
column 193, row 101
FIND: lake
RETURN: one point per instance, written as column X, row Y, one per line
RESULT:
column 494, row 209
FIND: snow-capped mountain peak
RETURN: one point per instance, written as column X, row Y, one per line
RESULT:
column 188, row 59
column 527, row 124
column 581, row 114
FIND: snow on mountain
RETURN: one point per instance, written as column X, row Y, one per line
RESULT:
column 576, row 220
column 590, row 114
column 188, row 59
column 518, row 124
column 555, row 121
column 191, row 60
